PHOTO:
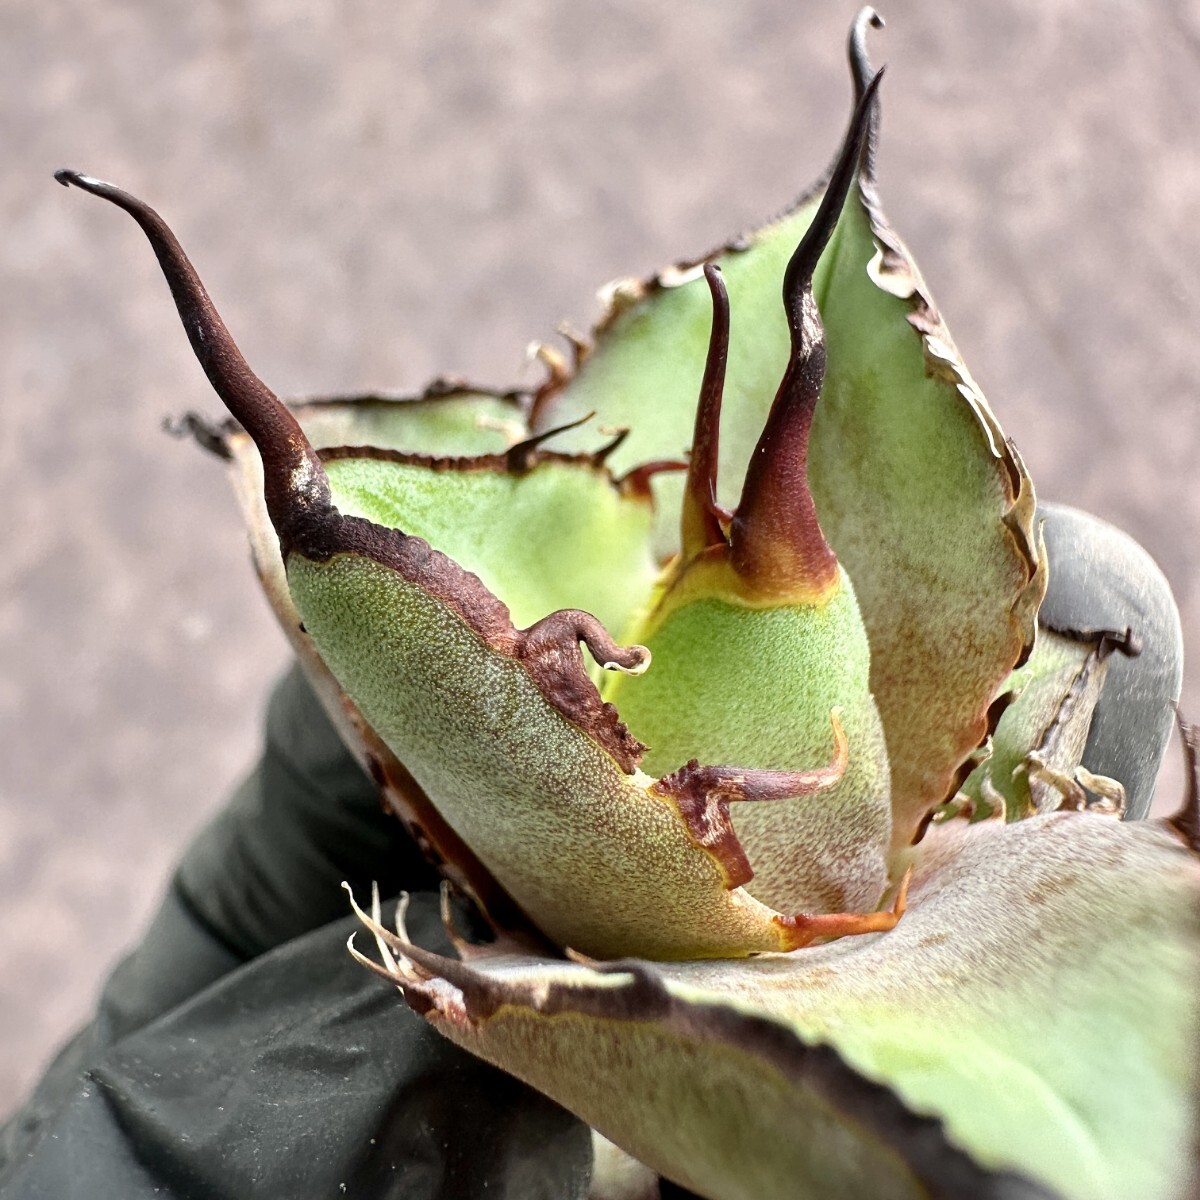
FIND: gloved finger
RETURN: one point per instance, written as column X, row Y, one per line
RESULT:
column 1100, row 578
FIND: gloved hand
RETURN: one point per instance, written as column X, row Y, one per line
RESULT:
column 1100, row 578
column 240, row 1052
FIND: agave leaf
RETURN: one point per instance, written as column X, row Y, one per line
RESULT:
column 755, row 632
column 926, row 505
column 931, row 512
column 543, row 782
column 406, row 424
column 1031, row 1018
column 449, row 418
column 734, row 684
column 644, row 371
column 431, row 495
column 1093, row 707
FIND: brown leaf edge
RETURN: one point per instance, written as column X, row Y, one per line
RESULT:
column 214, row 435
column 400, row 794
column 518, row 459
column 895, row 272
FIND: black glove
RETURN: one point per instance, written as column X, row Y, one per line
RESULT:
column 240, row 1052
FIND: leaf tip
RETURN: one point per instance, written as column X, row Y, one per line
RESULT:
column 777, row 546
column 295, row 485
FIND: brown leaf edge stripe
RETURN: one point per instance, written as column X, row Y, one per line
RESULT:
column 522, row 458
column 297, row 494
column 897, row 274
column 518, row 459
column 942, row 1169
column 213, row 434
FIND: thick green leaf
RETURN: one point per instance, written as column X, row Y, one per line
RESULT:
column 543, row 781
column 928, row 508
column 409, row 423
column 645, row 369
column 541, row 802
column 1033, row 1016
column 542, row 784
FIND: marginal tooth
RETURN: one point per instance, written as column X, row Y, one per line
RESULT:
column 702, row 795
column 581, row 344
column 377, row 918
column 569, row 626
column 995, row 798
column 803, row 929
column 402, row 969
column 522, row 456
column 618, row 436
column 550, row 651
column 553, row 360
column 637, row 482
column 638, row 667
column 1110, row 792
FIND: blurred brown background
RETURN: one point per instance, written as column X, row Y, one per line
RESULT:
column 379, row 192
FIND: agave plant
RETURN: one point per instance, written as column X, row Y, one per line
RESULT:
column 799, row 886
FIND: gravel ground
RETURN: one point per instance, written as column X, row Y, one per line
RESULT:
column 375, row 199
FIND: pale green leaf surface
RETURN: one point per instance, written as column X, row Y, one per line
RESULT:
column 397, row 791
column 1039, row 999
column 755, row 687
column 929, row 511
column 557, row 536
column 645, row 370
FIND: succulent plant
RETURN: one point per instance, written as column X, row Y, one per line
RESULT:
column 798, row 884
